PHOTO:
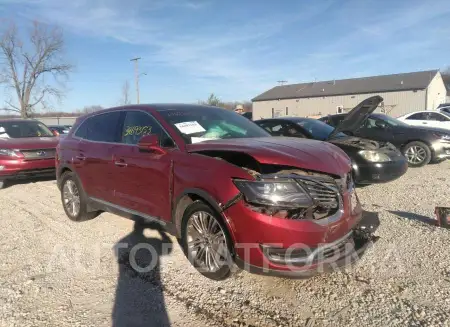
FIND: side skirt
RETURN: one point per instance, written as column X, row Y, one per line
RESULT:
column 101, row 205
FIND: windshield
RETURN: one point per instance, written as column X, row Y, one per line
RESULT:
column 203, row 124
column 22, row 129
column 318, row 129
column 390, row 120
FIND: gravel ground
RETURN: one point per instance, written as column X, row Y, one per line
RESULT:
column 55, row 272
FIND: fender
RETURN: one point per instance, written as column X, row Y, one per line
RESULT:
column 218, row 207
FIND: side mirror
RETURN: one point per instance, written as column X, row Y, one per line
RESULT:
column 150, row 143
column 380, row 125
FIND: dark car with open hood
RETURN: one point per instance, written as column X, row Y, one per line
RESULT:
column 27, row 149
column 420, row 145
column 372, row 161
column 231, row 193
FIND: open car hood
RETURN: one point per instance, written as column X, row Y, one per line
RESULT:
column 357, row 116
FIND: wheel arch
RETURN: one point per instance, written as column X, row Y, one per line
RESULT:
column 191, row 195
column 61, row 171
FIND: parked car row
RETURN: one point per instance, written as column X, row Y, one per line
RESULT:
column 274, row 197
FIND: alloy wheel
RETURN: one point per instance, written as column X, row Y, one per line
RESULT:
column 415, row 154
column 71, row 198
column 206, row 241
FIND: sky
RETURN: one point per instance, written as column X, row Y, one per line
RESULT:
column 237, row 50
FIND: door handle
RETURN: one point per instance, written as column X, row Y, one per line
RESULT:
column 120, row 163
column 81, row 157
column 424, row 123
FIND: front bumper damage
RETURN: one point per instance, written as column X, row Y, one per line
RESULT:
column 326, row 258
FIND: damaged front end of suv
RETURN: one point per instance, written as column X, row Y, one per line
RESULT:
column 280, row 206
column 336, row 232
column 294, row 222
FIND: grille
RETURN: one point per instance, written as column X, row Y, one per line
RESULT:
column 326, row 193
column 39, row 153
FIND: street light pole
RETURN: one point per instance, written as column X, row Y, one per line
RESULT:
column 136, row 73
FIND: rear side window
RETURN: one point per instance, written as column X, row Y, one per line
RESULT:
column 418, row 116
column 81, row 131
column 101, row 128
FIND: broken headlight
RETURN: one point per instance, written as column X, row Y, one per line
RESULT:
column 285, row 193
column 374, row 156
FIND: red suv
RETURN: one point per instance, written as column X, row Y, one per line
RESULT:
column 27, row 149
column 230, row 192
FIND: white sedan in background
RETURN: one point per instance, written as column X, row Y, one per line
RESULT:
column 427, row 119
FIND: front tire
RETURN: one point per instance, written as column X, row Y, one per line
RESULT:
column 417, row 153
column 206, row 241
column 74, row 199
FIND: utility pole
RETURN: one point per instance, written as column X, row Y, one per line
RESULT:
column 136, row 76
column 282, row 82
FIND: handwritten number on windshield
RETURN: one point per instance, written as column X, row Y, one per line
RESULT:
column 138, row 130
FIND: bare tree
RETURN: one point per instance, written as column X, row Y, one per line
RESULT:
column 125, row 94
column 27, row 64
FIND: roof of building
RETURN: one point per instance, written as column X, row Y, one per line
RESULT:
column 383, row 83
column 446, row 78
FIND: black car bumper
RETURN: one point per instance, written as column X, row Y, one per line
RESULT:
column 379, row 172
column 363, row 239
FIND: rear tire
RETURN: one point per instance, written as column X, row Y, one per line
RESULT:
column 206, row 241
column 417, row 153
column 74, row 200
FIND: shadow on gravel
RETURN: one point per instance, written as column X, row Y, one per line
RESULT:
column 416, row 217
column 139, row 295
column 11, row 183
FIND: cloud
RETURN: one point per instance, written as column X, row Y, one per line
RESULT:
column 212, row 50
column 331, row 39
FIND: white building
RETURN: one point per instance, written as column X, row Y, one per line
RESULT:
column 57, row 120
column 402, row 93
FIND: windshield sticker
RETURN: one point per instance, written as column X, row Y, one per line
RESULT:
column 190, row 127
column 201, row 139
column 137, row 130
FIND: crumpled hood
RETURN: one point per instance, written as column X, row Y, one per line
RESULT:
column 29, row 143
column 286, row 151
